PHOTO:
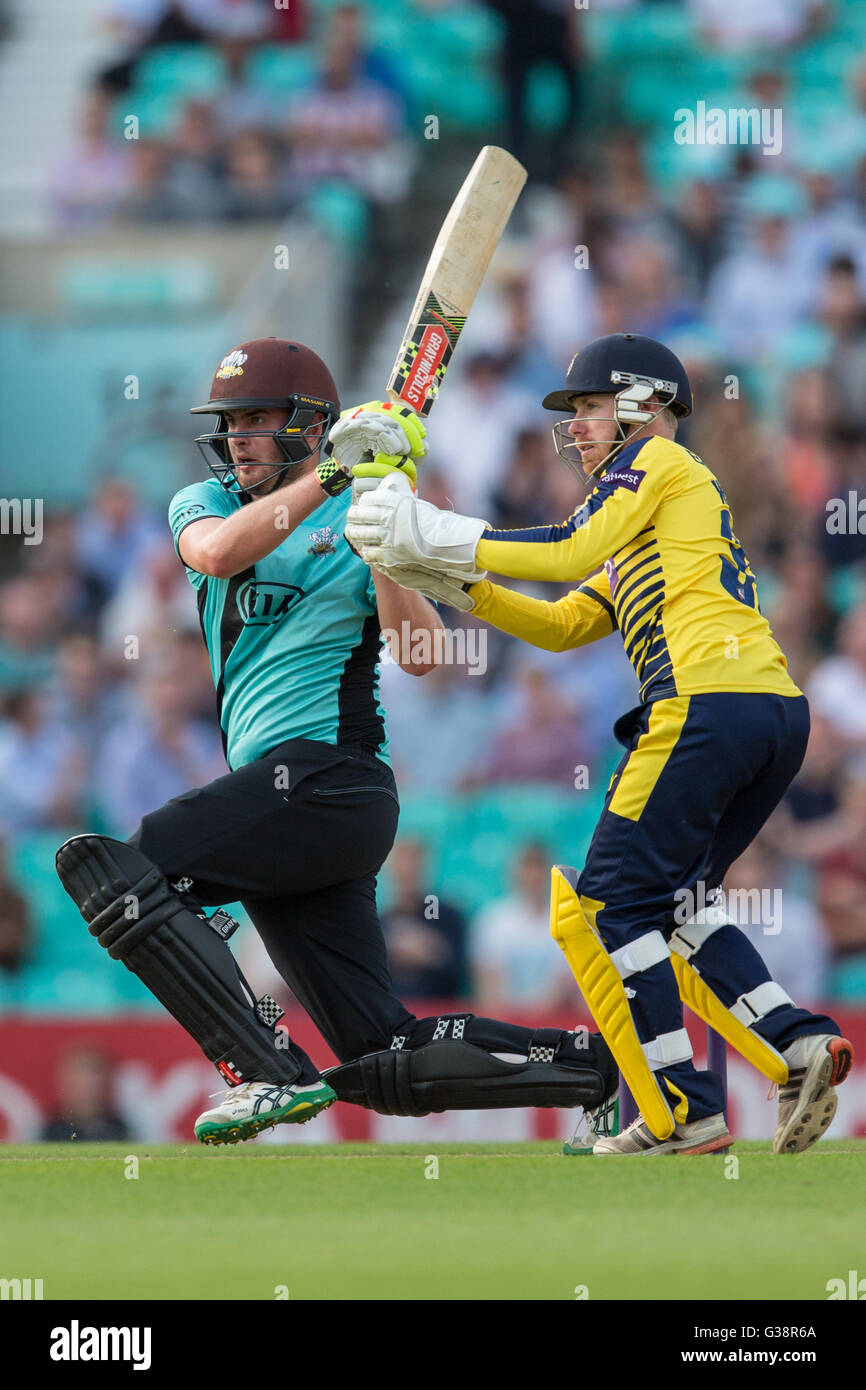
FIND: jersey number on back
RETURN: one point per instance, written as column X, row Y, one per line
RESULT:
column 737, row 576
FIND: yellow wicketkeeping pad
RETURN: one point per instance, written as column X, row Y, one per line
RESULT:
column 604, row 992
column 697, row 995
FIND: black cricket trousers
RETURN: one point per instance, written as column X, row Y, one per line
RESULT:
column 298, row 838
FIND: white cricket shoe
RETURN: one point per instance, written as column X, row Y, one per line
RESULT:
column 817, row 1064
column 699, row 1137
column 257, row 1105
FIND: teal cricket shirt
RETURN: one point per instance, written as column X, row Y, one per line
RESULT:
column 293, row 641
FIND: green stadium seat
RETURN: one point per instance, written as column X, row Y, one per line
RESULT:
column 281, row 70
column 822, row 65
column 471, row 100
column 396, row 32
column 340, row 211
column 656, row 31
column 157, row 112
column 546, row 97
column 607, row 35
column 187, row 70
column 848, row 980
column 652, row 93
column 85, row 990
column 461, row 36
column 427, row 818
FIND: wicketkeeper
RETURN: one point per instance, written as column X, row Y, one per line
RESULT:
column 718, row 734
column 300, row 826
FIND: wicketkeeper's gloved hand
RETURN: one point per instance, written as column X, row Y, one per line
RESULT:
column 369, row 442
column 439, row 586
column 391, row 528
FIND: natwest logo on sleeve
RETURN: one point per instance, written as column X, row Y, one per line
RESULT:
column 625, row 478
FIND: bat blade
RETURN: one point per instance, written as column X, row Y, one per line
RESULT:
column 455, row 270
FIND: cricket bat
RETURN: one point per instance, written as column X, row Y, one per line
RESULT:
column 454, row 272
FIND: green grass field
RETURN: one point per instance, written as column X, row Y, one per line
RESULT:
column 499, row 1222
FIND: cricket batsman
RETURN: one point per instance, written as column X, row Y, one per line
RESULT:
column 300, row 826
column 718, row 734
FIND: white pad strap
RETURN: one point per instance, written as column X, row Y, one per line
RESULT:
column 667, row 1049
column 688, row 939
column 639, row 955
column 759, row 1002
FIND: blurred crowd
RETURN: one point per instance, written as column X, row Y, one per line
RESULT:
column 243, row 148
column 752, row 269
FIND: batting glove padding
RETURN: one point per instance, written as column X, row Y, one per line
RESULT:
column 391, row 528
column 372, row 440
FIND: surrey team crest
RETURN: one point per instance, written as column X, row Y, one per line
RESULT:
column 232, row 365
column 323, row 542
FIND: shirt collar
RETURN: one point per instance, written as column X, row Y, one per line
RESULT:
column 626, row 457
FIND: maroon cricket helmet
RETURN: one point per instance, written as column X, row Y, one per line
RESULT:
column 272, row 373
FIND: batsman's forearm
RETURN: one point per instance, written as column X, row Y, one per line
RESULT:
column 409, row 622
column 258, row 528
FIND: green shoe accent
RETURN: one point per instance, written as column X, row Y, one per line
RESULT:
column 604, row 1122
column 296, row 1112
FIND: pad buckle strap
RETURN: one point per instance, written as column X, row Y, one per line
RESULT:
column 759, row 1002
column 667, row 1049
column 639, row 955
column 688, row 939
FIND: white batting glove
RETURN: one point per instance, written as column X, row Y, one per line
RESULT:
column 366, row 434
column 392, row 528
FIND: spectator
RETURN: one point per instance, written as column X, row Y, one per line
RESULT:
column 155, row 754
column 787, row 931
column 193, row 177
column 755, row 299
column 84, row 1110
column 454, row 715
column 92, row 175
column 28, row 633
column 81, row 698
column 152, row 602
column 148, row 198
column 242, row 105
column 842, row 311
column 514, row 962
column 425, row 934
column 741, row 25
column 113, row 533
column 837, row 689
column 478, row 418
column 523, row 497
column 644, row 271
column 544, row 742
column 841, row 895
column 538, row 31
column 697, row 223
column 16, row 927
column 809, row 823
column 42, row 768
column 347, row 128
column 253, row 187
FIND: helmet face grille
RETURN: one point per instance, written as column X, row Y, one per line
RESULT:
column 305, row 430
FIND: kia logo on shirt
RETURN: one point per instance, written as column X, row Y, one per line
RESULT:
column 262, row 601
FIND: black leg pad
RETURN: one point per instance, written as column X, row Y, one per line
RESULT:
column 137, row 916
column 451, row 1075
